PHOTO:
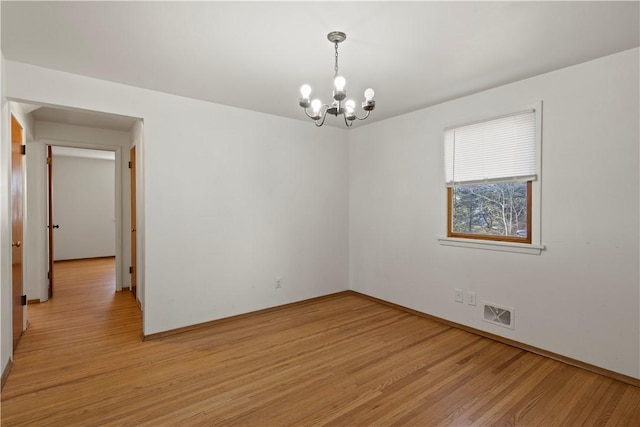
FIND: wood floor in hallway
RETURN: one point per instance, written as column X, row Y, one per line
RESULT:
column 341, row 360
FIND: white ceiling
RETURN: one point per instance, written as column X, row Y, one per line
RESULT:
column 255, row 55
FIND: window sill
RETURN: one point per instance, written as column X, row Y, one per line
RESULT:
column 521, row 248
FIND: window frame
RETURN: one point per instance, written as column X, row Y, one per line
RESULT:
column 533, row 245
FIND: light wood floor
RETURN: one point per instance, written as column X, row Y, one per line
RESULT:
column 343, row 360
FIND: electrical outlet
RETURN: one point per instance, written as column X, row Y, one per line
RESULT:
column 459, row 295
column 278, row 282
column 471, row 298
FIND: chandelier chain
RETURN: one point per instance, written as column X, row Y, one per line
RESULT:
column 336, row 67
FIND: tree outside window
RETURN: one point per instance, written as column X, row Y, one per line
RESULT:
column 496, row 211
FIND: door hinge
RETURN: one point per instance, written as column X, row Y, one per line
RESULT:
column 23, row 300
column 130, row 270
column 49, row 275
column 23, row 149
column 48, row 160
column 129, row 165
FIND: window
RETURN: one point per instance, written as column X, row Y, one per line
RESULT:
column 490, row 169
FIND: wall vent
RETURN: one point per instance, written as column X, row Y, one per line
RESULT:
column 498, row 314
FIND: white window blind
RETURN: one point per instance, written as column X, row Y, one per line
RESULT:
column 501, row 149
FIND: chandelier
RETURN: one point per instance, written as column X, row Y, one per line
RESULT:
column 339, row 106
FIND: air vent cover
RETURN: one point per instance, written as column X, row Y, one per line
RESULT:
column 498, row 314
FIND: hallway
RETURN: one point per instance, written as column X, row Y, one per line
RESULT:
column 69, row 339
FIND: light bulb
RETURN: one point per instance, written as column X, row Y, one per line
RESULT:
column 305, row 91
column 315, row 106
column 339, row 83
column 350, row 106
column 350, row 110
column 369, row 94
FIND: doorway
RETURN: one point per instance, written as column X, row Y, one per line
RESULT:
column 62, row 127
column 81, row 206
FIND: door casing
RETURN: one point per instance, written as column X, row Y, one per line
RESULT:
column 134, row 260
column 50, row 224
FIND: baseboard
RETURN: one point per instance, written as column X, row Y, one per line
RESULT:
column 5, row 373
column 551, row 355
column 170, row 332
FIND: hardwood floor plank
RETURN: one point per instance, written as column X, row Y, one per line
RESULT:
column 627, row 412
column 341, row 360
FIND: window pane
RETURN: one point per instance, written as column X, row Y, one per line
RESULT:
column 498, row 209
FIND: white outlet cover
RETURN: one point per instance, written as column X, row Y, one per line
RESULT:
column 471, row 298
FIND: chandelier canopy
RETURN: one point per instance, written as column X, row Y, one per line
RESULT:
column 339, row 106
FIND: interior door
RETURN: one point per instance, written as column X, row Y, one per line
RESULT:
column 17, row 216
column 133, row 269
column 50, row 225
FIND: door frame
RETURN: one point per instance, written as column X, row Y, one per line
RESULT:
column 50, row 225
column 133, row 223
column 120, row 270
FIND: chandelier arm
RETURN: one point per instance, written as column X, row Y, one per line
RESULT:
column 348, row 123
column 307, row 113
column 324, row 116
column 310, row 116
column 365, row 116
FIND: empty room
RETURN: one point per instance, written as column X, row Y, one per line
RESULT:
column 320, row 213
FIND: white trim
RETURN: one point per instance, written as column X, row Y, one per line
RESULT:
column 492, row 245
column 536, row 186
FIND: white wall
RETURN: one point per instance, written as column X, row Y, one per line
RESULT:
column 6, row 349
column 231, row 199
column 580, row 297
column 83, row 207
